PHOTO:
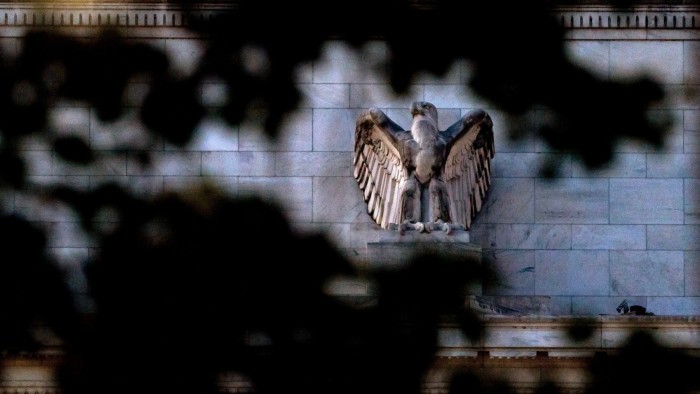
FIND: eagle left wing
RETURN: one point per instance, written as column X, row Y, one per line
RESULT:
column 378, row 169
column 467, row 170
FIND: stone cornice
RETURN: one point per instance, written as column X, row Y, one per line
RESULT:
column 159, row 14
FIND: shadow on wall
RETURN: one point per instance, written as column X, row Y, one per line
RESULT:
column 185, row 287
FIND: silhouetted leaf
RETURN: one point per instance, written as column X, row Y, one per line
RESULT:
column 73, row 149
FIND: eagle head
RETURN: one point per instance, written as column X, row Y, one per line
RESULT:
column 424, row 108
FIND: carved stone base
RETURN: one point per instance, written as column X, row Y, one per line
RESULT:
column 395, row 248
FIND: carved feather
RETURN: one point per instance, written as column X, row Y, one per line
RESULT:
column 377, row 163
column 467, row 170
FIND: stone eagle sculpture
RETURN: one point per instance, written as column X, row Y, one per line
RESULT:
column 423, row 178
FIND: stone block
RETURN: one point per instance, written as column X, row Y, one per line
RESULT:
column 453, row 96
column 402, row 116
column 592, row 55
column 511, row 134
column 673, row 237
column 624, row 165
column 139, row 185
column 340, row 63
column 560, row 306
column 338, row 199
column 646, row 273
column 167, row 163
column 691, row 120
column 510, row 272
column 292, row 194
column 452, row 76
column 382, row 96
column 510, row 200
column 691, row 272
column 70, row 122
column 674, row 306
column 334, row 129
column 670, row 121
column 67, row 235
column 227, row 184
column 213, row 93
column 238, row 163
column 691, row 201
column 673, row 165
column 313, row 164
column 304, row 73
column 325, row 95
column 530, row 165
column 39, row 163
column 662, row 61
column 295, row 134
column 185, row 55
column 691, row 62
column 115, row 164
column 590, row 306
column 532, row 236
column 580, row 200
column 126, row 131
column 214, row 135
column 646, row 201
column 38, row 209
column 603, row 236
column 571, row 272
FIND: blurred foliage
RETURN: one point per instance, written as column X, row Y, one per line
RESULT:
column 189, row 286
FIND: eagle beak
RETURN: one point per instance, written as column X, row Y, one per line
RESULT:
column 416, row 108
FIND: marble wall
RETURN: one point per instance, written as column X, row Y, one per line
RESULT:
column 583, row 241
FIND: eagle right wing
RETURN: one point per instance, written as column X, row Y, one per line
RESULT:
column 377, row 164
column 467, row 171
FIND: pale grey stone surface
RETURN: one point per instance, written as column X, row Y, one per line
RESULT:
column 71, row 122
column 514, row 273
column 592, row 55
column 624, row 165
column 334, row 129
column 382, row 96
column 602, row 305
column 581, row 200
column 294, row 135
column 67, row 235
column 530, row 165
column 574, row 272
column 339, row 63
column 691, row 201
column 214, row 135
column 292, row 194
column 646, row 201
column 617, row 237
column 213, row 94
column 673, row 165
column 453, row 96
column 692, row 273
column 167, row 163
column 674, row 306
column 650, row 273
column 115, row 164
column 691, row 62
column 532, row 236
column 338, row 199
column 185, row 55
column 40, row 163
column 560, row 305
column 631, row 58
column 510, row 200
column 673, row 237
column 313, row 164
column 325, row 95
column 238, row 163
